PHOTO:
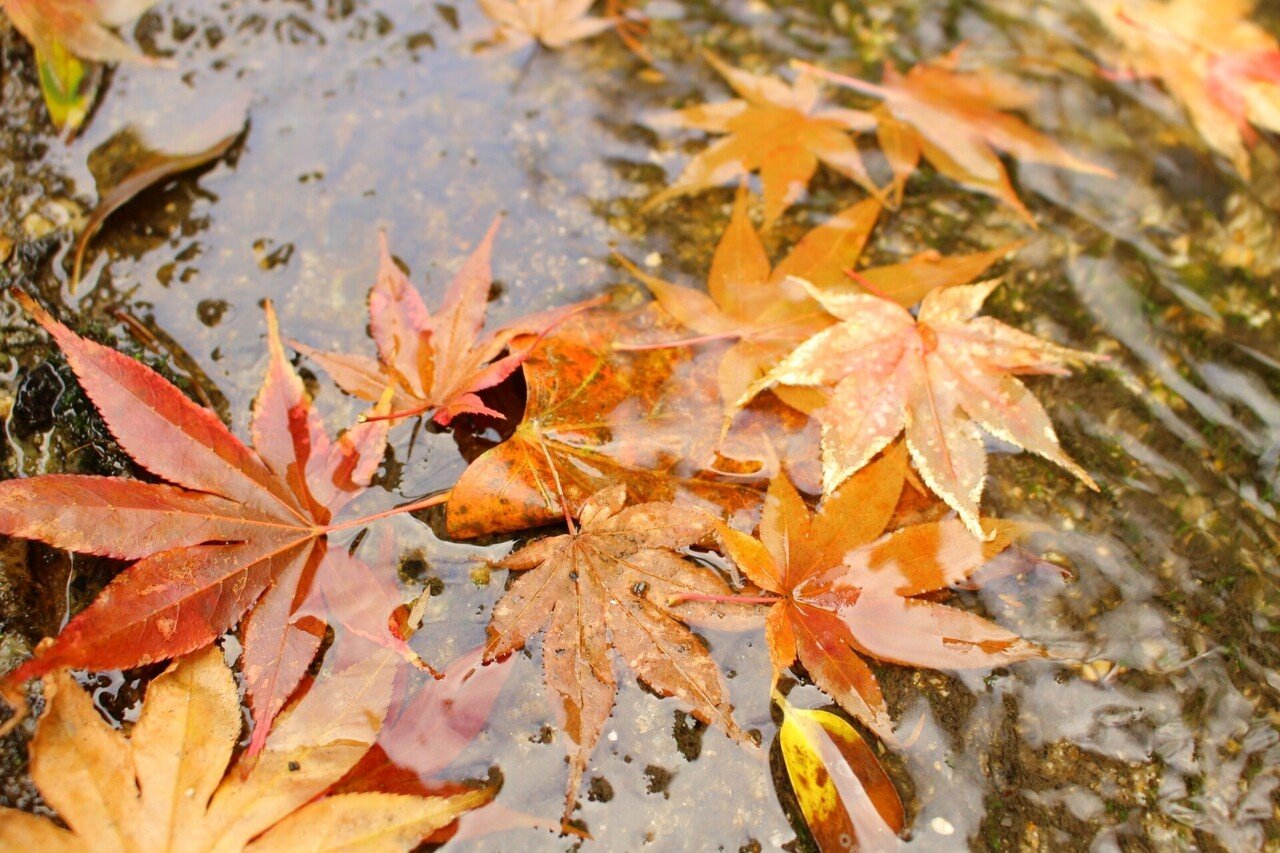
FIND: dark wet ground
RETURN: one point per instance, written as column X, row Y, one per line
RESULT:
column 378, row 115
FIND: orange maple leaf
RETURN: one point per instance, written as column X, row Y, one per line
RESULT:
column 766, row 313
column 839, row 590
column 1223, row 68
column 936, row 376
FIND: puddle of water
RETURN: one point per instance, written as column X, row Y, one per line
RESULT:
column 378, row 115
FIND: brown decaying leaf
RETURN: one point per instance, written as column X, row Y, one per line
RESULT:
column 783, row 131
column 203, row 143
column 766, row 314
column 167, row 785
column 598, row 416
column 602, row 588
column 1221, row 66
column 550, row 23
column 848, row 800
column 435, row 364
column 843, row 592
column 957, row 121
column 231, row 531
column 936, row 376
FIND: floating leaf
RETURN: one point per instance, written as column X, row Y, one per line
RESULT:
column 551, row 23
column 435, row 364
column 766, row 314
column 231, row 531
column 1222, row 67
column 601, row 589
column 848, row 800
column 840, row 585
column 936, row 376
column 68, row 34
column 167, row 785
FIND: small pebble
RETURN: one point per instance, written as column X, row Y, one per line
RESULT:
column 1095, row 670
column 653, row 260
column 942, row 826
column 36, row 226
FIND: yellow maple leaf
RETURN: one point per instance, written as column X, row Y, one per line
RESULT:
column 166, row 785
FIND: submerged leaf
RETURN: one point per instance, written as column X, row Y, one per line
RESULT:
column 431, row 727
column 598, row 416
column 848, row 800
column 780, row 130
column 200, row 144
column 957, row 121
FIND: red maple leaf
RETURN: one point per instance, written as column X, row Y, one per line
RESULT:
column 437, row 363
column 231, row 531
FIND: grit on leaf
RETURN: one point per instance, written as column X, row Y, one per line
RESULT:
column 601, row 590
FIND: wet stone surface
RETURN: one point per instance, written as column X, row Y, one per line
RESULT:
column 379, row 115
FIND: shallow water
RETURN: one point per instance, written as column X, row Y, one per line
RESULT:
column 379, row 115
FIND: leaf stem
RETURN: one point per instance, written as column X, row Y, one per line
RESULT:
column 555, row 476
column 683, row 342
column 682, row 597
column 844, row 80
column 394, row 416
column 432, row 500
column 865, row 283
